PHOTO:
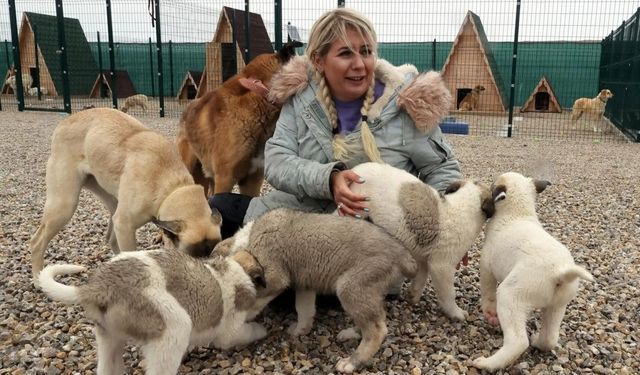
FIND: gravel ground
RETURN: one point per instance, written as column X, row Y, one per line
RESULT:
column 593, row 207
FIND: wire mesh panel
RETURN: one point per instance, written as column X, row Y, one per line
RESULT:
column 563, row 59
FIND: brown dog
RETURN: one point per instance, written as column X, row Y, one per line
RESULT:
column 470, row 101
column 221, row 136
column 135, row 171
column 594, row 108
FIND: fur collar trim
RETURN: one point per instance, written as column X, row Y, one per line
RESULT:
column 424, row 97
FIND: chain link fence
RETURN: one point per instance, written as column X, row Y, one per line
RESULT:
column 515, row 68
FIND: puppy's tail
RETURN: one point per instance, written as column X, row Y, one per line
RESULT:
column 58, row 291
column 571, row 273
column 576, row 114
column 408, row 265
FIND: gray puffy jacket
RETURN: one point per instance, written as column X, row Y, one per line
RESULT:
column 404, row 122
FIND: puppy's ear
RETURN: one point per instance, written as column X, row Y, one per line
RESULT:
column 453, row 187
column 173, row 227
column 498, row 193
column 251, row 267
column 288, row 51
column 541, row 185
column 488, row 206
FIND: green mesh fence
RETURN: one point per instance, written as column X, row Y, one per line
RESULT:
column 565, row 51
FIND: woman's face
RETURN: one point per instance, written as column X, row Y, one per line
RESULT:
column 348, row 71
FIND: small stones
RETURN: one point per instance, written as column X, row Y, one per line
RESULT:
column 593, row 207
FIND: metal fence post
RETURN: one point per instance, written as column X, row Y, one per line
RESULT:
column 62, row 49
column 159, row 52
column 15, row 44
column 247, row 26
column 153, row 85
column 278, row 24
column 35, row 47
column 514, row 61
column 173, row 92
column 112, row 58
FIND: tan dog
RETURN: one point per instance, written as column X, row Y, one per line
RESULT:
column 164, row 301
column 594, row 108
column 321, row 253
column 470, row 101
column 221, row 135
column 136, row 172
column 138, row 100
column 523, row 268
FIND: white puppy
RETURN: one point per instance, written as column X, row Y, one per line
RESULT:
column 533, row 271
column 164, row 301
column 437, row 229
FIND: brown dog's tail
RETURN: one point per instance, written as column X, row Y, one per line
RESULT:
column 190, row 159
column 576, row 114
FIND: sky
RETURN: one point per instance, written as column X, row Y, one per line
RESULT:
column 395, row 21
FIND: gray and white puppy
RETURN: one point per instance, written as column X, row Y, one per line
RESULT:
column 437, row 229
column 165, row 301
column 321, row 253
column 523, row 268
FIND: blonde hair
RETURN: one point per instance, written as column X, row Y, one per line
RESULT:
column 331, row 26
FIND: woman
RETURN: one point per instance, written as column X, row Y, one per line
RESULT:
column 341, row 107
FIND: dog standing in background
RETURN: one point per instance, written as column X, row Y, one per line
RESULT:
column 470, row 101
column 593, row 108
column 135, row 171
column 221, row 135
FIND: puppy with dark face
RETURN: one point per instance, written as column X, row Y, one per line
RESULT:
column 470, row 101
column 221, row 135
column 164, row 301
column 322, row 253
column 136, row 172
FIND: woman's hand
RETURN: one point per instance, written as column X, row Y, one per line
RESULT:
column 347, row 201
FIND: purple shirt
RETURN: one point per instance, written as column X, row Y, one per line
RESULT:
column 349, row 112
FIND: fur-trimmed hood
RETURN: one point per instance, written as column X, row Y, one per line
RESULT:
column 424, row 96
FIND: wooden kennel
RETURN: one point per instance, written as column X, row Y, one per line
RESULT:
column 469, row 63
column 542, row 99
column 80, row 60
column 225, row 53
column 189, row 88
column 103, row 85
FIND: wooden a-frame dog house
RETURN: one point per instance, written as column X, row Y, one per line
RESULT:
column 542, row 99
column 225, row 53
column 189, row 87
column 80, row 62
column 471, row 63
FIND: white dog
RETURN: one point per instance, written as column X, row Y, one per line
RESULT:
column 164, row 301
column 437, row 229
column 533, row 270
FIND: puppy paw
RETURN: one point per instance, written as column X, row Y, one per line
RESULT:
column 345, row 366
column 295, row 329
column 485, row 364
column 258, row 331
column 348, row 334
column 457, row 314
column 538, row 343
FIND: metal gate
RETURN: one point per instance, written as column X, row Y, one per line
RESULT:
column 40, row 87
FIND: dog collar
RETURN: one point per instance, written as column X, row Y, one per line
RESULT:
column 599, row 98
